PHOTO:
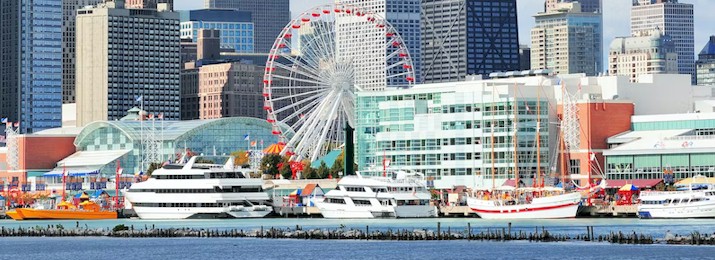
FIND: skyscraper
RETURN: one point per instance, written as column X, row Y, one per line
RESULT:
column 354, row 39
column 587, row 6
column 567, row 40
column 706, row 64
column 269, row 18
column 644, row 53
column 468, row 37
column 236, row 27
column 675, row 20
column 148, row 4
column 31, row 63
column 126, row 58
column 69, row 13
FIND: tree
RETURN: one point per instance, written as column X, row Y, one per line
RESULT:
column 323, row 170
column 152, row 168
column 240, row 158
column 338, row 165
column 309, row 172
column 285, row 169
column 269, row 164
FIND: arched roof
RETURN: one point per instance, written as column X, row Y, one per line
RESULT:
column 173, row 130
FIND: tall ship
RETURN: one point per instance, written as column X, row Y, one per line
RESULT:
column 694, row 202
column 536, row 202
column 200, row 188
column 401, row 195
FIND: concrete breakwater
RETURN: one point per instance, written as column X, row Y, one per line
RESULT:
column 539, row 234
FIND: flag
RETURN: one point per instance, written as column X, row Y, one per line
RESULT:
column 3, row 120
column 246, row 137
column 139, row 98
column 253, row 143
column 161, row 116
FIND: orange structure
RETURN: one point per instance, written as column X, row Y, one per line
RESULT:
column 87, row 210
column 36, row 153
column 598, row 120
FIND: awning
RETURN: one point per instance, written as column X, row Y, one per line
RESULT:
column 696, row 180
column 640, row 183
column 85, row 163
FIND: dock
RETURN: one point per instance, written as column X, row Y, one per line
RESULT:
column 309, row 212
column 456, row 211
column 609, row 210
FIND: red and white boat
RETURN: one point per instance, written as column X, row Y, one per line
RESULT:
column 560, row 205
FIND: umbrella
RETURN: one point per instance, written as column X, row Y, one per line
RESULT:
column 628, row 187
column 274, row 149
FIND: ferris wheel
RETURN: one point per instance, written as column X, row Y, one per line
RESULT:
column 317, row 63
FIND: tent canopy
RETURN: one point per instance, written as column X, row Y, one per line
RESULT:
column 274, row 149
column 85, row 163
column 641, row 183
column 628, row 187
column 696, row 180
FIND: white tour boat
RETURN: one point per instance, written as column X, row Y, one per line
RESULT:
column 402, row 195
column 199, row 189
column 551, row 203
column 677, row 204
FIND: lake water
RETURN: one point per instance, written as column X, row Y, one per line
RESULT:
column 248, row 248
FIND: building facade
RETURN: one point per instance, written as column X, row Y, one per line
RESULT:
column 524, row 57
column 587, row 6
column 568, row 41
column 230, row 90
column 459, row 133
column 644, row 53
column 69, row 14
column 127, row 58
column 706, row 64
column 269, row 18
column 237, row 30
column 148, row 4
column 468, row 37
column 31, row 63
column 365, row 44
column 675, row 20
column 681, row 145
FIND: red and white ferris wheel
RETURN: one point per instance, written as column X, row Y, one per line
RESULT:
column 316, row 65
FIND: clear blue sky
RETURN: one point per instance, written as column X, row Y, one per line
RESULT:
column 616, row 17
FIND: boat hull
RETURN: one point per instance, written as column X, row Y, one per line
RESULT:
column 554, row 207
column 329, row 210
column 54, row 214
column 14, row 214
column 676, row 212
column 159, row 213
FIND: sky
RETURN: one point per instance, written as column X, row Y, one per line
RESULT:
column 616, row 17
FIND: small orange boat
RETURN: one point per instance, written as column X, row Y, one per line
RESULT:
column 65, row 210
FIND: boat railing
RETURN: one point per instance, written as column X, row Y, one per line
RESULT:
column 659, row 193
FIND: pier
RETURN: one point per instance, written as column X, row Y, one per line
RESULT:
column 500, row 234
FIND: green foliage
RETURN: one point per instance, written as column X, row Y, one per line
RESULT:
column 152, row 168
column 269, row 164
column 322, row 171
column 120, row 227
column 338, row 165
column 285, row 170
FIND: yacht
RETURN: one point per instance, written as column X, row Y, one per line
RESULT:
column 402, row 195
column 200, row 188
column 526, row 203
column 691, row 203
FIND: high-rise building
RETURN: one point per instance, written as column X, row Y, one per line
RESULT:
column 644, row 53
column 675, row 20
column 148, row 4
column 237, row 30
column 568, row 41
column 230, row 89
column 706, row 64
column 364, row 44
column 69, row 14
column 31, row 63
column 269, row 18
column 468, row 37
column 524, row 57
column 126, row 58
column 587, row 6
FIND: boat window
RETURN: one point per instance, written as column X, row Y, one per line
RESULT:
column 379, row 190
column 355, row 189
column 336, row 201
column 362, row 203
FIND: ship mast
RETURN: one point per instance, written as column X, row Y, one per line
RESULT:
column 516, row 129
column 538, row 136
column 493, row 113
